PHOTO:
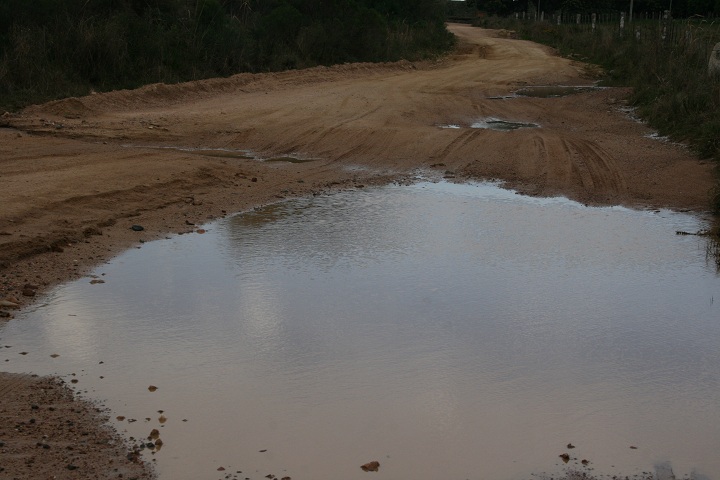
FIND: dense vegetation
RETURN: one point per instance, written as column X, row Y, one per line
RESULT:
column 680, row 8
column 666, row 64
column 55, row 48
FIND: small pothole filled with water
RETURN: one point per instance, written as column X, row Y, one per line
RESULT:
column 207, row 152
column 492, row 123
column 547, row 91
column 550, row 91
column 289, row 159
column 222, row 153
column 503, row 125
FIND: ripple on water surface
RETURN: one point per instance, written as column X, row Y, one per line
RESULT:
column 445, row 331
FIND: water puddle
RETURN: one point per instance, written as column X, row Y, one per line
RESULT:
column 222, row 153
column 207, row 152
column 502, row 125
column 426, row 331
column 492, row 123
column 227, row 153
column 290, row 160
column 547, row 91
column 553, row 91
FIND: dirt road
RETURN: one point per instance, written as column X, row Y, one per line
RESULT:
column 76, row 174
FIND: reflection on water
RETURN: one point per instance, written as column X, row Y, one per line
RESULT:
column 444, row 331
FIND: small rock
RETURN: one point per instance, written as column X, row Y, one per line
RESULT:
column 253, row 179
column 584, row 462
column 633, row 447
column 152, row 388
column 28, row 292
column 373, row 466
column 570, row 445
column 221, row 469
column 96, row 281
column 565, row 457
column 137, row 228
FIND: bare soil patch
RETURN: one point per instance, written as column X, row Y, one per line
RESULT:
column 45, row 432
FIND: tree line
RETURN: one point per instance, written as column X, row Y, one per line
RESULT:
column 55, row 48
column 679, row 8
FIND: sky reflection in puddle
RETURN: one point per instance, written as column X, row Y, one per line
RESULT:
column 446, row 331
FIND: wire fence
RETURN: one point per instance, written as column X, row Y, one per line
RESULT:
column 696, row 35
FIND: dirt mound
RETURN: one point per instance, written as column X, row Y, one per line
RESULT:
column 161, row 94
column 67, row 108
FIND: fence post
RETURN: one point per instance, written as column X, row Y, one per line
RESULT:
column 594, row 19
column 622, row 22
column 559, row 18
column 577, row 19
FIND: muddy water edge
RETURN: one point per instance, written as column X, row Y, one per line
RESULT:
column 445, row 331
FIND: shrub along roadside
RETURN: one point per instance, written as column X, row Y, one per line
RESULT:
column 51, row 49
column 666, row 64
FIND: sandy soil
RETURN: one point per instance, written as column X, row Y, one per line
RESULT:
column 45, row 432
column 77, row 174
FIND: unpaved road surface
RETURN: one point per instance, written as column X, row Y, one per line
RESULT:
column 76, row 174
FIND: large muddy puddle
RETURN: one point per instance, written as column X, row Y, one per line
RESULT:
column 445, row 331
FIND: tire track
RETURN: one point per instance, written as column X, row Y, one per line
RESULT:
column 595, row 168
column 460, row 141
